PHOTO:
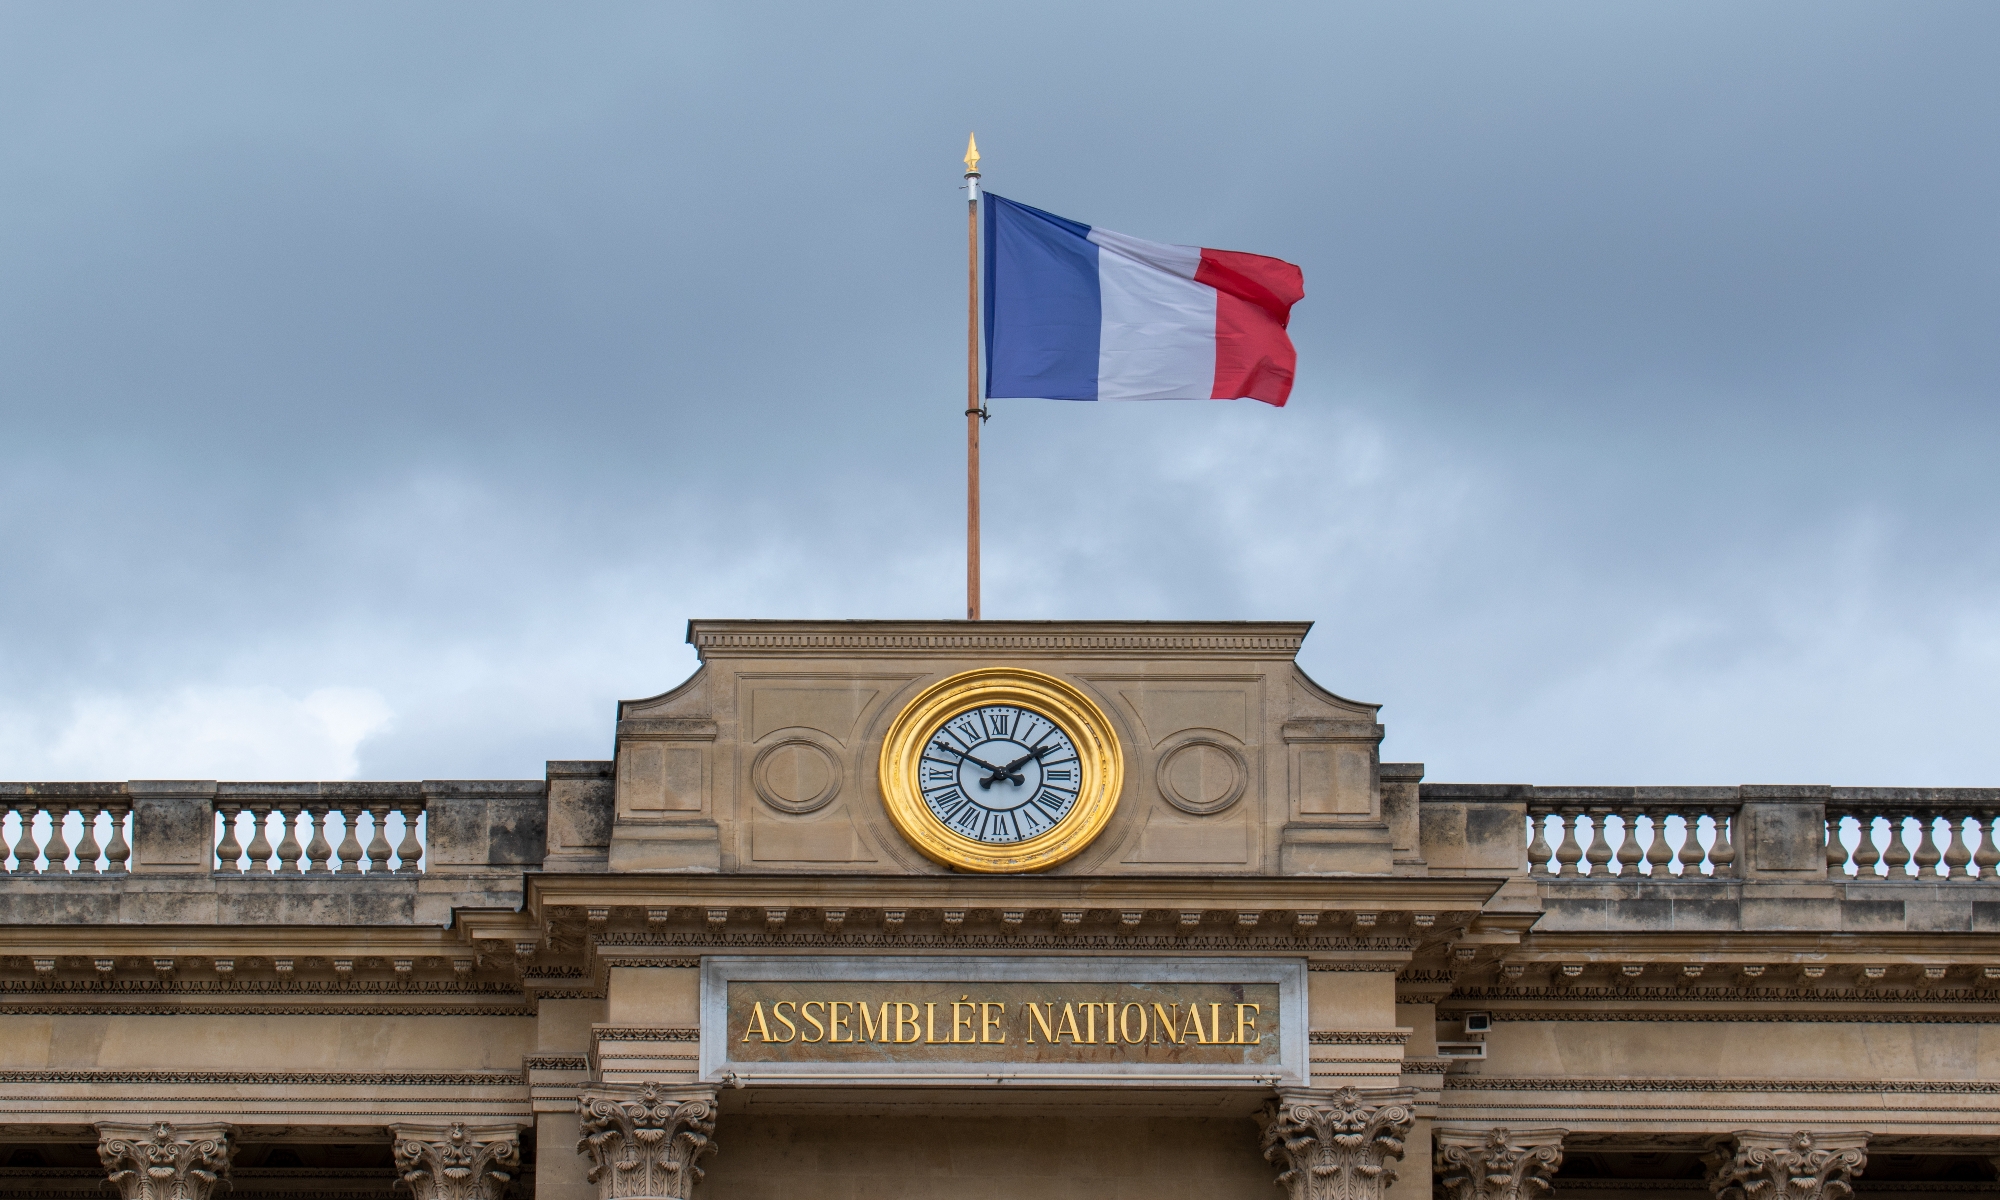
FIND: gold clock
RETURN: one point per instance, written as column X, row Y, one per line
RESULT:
column 1001, row 770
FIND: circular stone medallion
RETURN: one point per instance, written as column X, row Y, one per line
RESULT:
column 795, row 775
column 1202, row 776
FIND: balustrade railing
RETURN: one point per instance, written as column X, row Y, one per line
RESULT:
column 1632, row 838
column 56, row 837
column 258, row 836
column 1887, row 839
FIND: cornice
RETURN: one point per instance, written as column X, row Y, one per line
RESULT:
column 109, row 1008
column 1781, row 1016
column 849, row 640
column 272, row 1078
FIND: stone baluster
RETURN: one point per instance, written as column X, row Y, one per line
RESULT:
column 10, row 858
column 118, row 851
column 1629, row 852
column 289, row 849
column 1337, row 1145
column 1539, row 849
column 1599, row 854
column 1865, row 853
column 260, row 839
column 163, row 1161
column 645, row 1140
column 1836, row 843
column 1659, row 855
column 350, row 840
column 1987, row 856
column 319, row 850
column 378, row 840
column 411, row 851
column 86, row 846
column 1571, row 851
column 457, row 1161
column 1722, row 855
column 1928, row 854
column 58, row 847
column 1896, row 855
column 1692, row 855
column 1754, row 1165
column 227, row 849
column 1957, row 853
column 1495, row 1164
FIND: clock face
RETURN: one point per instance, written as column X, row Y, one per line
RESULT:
column 1000, row 773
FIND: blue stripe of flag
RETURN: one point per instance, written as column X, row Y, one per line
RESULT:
column 1044, row 314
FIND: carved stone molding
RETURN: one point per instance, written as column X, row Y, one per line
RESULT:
column 1755, row 1165
column 1496, row 1164
column 645, row 1139
column 1339, row 1144
column 162, row 1161
column 457, row 1161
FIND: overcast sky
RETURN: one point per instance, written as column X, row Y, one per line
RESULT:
column 382, row 387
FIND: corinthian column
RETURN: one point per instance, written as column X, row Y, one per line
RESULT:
column 163, row 1161
column 1497, row 1164
column 1337, row 1145
column 1785, row 1166
column 644, row 1139
column 457, row 1161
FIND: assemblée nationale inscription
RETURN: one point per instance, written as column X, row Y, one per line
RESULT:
column 1010, row 1021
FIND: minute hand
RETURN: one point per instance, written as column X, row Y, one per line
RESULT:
column 970, row 758
column 1007, row 772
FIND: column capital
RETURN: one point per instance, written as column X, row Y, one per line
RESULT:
column 457, row 1161
column 1496, row 1163
column 1785, row 1166
column 164, row 1161
column 644, row 1139
column 1337, row 1144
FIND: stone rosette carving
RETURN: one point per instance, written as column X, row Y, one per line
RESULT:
column 1340, row 1144
column 644, row 1140
column 457, row 1161
column 1755, row 1165
column 1496, row 1164
column 164, row 1161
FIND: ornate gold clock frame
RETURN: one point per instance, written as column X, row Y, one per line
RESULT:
column 1101, row 768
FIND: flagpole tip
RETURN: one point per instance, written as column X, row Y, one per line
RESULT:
column 971, row 154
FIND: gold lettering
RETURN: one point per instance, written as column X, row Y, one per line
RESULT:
column 1068, row 1022
column 833, row 1020
column 1036, row 1015
column 791, row 1030
column 1090, row 1023
column 906, row 1018
column 1247, row 1026
column 930, row 1025
column 1124, row 1025
column 870, row 1030
column 756, row 1024
column 1193, row 1026
column 1215, row 1026
column 988, row 1023
column 1166, row 1024
column 965, row 1020
column 806, row 1015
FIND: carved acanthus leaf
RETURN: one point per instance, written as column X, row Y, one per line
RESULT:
column 1496, row 1164
column 163, row 1161
column 1755, row 1165
column 644, row 1140
column 1337, row 1145
column 457, row 1161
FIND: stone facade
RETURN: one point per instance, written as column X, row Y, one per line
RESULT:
column 1282, row 968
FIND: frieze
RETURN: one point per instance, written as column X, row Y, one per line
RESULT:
column 1751, row 1017
column 268, row 1010
column 645, row 1034
column 555, row 1062
column 1487, row 1083
column 754, row 939
column 1360, row 1037
column 279, row 1078
column 1853, row 995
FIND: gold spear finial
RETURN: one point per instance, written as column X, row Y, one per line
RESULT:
column 971, row 155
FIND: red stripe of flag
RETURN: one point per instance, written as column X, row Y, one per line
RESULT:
column 1254, row 295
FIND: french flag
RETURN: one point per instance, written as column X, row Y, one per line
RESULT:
column 1078, row 313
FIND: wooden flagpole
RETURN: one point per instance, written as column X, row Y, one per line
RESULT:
column 975, row 412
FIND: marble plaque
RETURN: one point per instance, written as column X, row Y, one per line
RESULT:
column 969, row 1020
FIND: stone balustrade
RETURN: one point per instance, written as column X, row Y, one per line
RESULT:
column 1900, row 834
column 1597, row 835
column 271, row 833
column 58, row 829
